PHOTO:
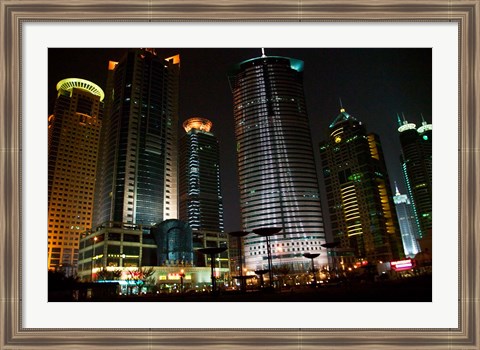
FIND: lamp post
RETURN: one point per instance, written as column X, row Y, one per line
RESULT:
column 212, row 252
column 311, row 257
column 331, row 246
column 239, row 235
column 261, row 273
column 93, row 254
column 267, row 232
column 182, row 276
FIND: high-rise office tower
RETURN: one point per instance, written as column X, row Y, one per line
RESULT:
column 406, row 221
column 362, row 212
column 201, row 204
column 416, row 161
column 137, row 169
column 73, row 138
column 277, row 175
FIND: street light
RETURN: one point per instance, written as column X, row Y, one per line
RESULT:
column 239, row 235
column 331, row 246
column 93, row 255
column 267, row 232
column 182, row 275
column 312, row 256
column 212, row 252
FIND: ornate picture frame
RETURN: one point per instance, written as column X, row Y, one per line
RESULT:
column 15, row 13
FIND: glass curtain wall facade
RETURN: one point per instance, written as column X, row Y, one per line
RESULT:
column 277, row 174
column 137, row 170
column 416, row 159
column 73, row 138
column 362, row 211
column 201, row 203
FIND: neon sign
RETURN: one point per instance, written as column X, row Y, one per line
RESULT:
column 402, row 265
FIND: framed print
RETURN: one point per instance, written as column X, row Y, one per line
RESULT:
column 31, row 29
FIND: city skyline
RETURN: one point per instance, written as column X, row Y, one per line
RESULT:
column 372, row 84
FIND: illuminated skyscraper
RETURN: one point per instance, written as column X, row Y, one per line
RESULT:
column 362, row 212
column 416, row 161
column 137, row 169
column 73, row 138
column 277, row 175
column 201, row 204
column 406, row 221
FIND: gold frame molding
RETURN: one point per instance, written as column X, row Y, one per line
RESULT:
column 14, row 13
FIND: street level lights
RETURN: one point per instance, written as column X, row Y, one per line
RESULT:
column 312, row 256
column 267, row 232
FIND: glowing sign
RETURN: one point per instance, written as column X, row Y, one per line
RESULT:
column 174, row 276
column 402, row 265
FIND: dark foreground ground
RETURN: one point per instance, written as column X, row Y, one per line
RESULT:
column 413, row 289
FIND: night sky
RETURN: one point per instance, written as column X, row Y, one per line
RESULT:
column 373, row 85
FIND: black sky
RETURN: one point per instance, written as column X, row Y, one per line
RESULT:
column 373, row 84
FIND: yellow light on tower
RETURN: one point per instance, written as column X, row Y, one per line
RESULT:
column 197, row 123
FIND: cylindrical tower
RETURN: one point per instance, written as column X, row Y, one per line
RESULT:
column 73, row 139
column 416, row 161
column 277, row 175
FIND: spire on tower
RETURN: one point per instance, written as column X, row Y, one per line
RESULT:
column 399, row 121
column 263, row 52
column 424, row 122
column 397, row 192
column 405, row 124
column 341, row 105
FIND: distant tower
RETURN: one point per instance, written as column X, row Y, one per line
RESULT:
column 416, row 159
column 73, row 137
column 362, row 212
column 137, row 169
column 201, row 204
column 406, row 221
column 276, row 166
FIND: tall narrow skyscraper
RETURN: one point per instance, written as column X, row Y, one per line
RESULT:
column 73, row 138
column 406, row 221
column 137, row 169
column 416, row 161
column 362, row 212
column 201, row 204
column 277, row 174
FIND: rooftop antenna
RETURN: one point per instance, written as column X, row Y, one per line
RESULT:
column 263, row 52
column 396, row 189
column 424, row 122
column 399, row 121
column 341, row 105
